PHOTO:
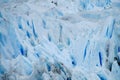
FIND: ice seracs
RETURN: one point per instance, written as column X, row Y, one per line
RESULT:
column 59, row 40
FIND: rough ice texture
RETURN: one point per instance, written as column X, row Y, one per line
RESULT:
column 59, row 40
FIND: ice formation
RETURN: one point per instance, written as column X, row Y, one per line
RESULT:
column 59, row 40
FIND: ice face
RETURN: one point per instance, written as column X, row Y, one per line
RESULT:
column 59, row 40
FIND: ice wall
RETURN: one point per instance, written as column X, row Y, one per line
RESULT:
column 59, row 40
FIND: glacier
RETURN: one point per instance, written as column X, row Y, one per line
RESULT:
column 59, row 40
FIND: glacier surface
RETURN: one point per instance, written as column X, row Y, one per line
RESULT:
column 59, row 40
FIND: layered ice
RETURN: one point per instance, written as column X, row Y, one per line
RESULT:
column 60, row 40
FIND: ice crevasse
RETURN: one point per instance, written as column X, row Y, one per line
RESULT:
column 59, row 40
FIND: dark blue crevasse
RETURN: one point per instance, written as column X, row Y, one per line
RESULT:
column 100, row 58
column 2, row 39
column 35, row 35
column 110, row 29
column 118, row 48
column 19, row 23
column 74, row 63
column 49, row 37
column 20, row 26
column 102, row 77
column 23, row 52
column 83, row 4
column 28, row 34
column 69, row 78
column 2, row 69
column 44, row 24
column 68, row 41
column 48, row 66
column 37, row 55
column 28, row 23
column 85, row 50
column 1, row 15
column 61, row 67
